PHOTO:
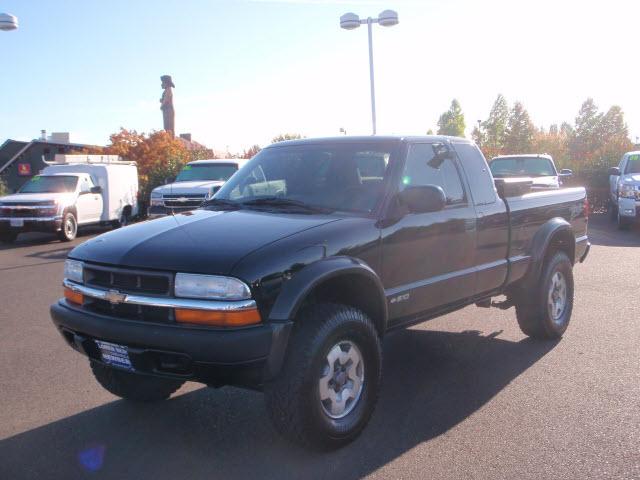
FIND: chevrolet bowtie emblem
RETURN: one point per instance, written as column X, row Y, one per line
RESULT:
column 182, row 199
column 115, row 297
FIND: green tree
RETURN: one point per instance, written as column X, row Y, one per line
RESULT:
column 586, row 138
column 496, row 125
column 451, row 122
column 285, row 136
column 520, row 131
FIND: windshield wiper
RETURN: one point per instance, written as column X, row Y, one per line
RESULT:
column 284, row 203
column 222, row 203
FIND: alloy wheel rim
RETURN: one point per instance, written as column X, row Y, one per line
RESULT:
column 557, row 298
column 342, row 379
column 69, row 227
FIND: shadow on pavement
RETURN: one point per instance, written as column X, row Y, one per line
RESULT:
column 604, row 231
column 432, row 381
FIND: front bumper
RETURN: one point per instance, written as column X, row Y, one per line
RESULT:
column 629, row 208
column 30, row 224
column 245, row 356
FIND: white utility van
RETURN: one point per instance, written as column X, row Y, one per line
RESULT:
column 73, row 191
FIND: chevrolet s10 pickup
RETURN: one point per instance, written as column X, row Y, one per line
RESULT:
column 287, row 279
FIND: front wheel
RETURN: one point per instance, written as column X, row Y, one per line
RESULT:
column 69, row 227
column 134, row 387
column 328, row 386
column 8, row 237
column 623, row 222
column 547, row 312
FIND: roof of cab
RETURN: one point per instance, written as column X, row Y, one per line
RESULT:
column 370, row 139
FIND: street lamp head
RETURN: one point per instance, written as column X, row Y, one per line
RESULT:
column 349, row 21
column 388, row 18
column 8, row 22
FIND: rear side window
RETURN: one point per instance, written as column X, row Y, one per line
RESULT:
column 418, row 171
column 480, row 181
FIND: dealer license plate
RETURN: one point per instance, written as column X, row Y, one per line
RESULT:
column 114, row 355
column 17, row 222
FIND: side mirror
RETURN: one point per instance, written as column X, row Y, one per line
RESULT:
column 96, row 189
column 169, row 180
column 424, row 198
column 614, row 171
column 566, row 172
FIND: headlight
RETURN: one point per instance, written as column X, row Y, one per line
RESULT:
column 210, row 287
column 156, row 198
column 626, row 190
column 73, row 270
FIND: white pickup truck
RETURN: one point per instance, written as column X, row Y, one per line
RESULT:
column 76, row 190
column 624, row 190
column 198, row 181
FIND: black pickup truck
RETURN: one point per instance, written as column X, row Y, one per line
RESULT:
column 288, row 279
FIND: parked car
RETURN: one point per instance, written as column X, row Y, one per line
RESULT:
column 288, row 279
column 539, row 167
column 197, row 182
column 76, row 191
column 624, row 190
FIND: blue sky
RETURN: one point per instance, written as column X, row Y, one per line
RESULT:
column 247, row 70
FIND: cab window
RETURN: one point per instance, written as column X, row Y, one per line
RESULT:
column 419, row 170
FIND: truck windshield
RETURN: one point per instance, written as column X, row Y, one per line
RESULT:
column 50, row 184
column 522, row 167
column 347, row 177
column 205, row 171
column 633, row 164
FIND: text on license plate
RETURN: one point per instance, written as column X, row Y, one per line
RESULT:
column 114, row 355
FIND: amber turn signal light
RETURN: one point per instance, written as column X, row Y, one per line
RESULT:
column 218, row 318
column 73, row 297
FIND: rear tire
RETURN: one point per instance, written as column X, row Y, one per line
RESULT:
column 69, row 227
column 123, row 221
column 8, row 237
column 328, row 386
column 546, row 314
column 134, row 387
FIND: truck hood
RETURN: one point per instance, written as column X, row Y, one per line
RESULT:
column 36, row 197
column 188, row 187
column 201, row 241
column 631, row 178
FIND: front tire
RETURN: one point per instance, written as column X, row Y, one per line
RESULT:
column 8, row 237
column 546, row 314
column 134, row 387
column 69, row 227
column 623, row 222
column 328, row 386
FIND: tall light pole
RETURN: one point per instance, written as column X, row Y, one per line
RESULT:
column 350, row 21
column 8, row 22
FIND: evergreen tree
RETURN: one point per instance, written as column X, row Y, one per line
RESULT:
column 496, row 125
column 451, row 122
column 520, row 131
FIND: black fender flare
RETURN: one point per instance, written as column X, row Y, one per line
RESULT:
column 541, row 241
column 295, row 290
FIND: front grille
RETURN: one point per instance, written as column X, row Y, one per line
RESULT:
column 177, row 200
column 27, row 212
column 132, row 282
column 186, row 204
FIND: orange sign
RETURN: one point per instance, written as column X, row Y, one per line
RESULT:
column 24, row 169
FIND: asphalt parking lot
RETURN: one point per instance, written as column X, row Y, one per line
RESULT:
column 463, row 396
